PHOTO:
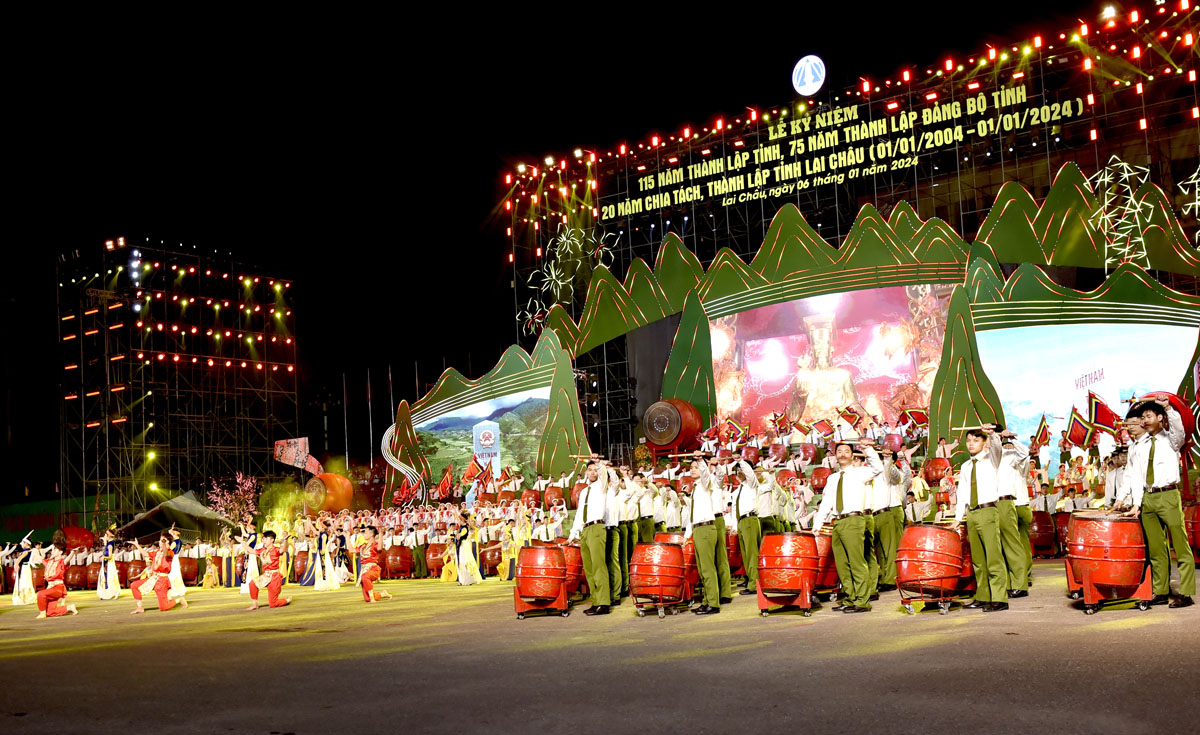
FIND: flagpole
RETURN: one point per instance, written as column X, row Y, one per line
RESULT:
column 370, row 423
column 346, row 421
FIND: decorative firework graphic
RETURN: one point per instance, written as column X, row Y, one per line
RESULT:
column 876, row 351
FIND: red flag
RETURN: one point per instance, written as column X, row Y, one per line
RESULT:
column 1100, row 416
column 737, row 432
column 505, row 476
column 824, row 428
column 850, row 416
column 915, row 416
column 1042, row 436
column 443, row 487
column 473, row 469
column 1079, row 432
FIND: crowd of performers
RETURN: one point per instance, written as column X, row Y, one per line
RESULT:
column 870, row 493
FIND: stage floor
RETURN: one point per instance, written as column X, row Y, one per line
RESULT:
column 449, row 659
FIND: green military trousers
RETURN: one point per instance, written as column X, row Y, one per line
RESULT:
column 987, row 555
column 849, row 555
column 749, row 538
column 1010, row 544
column 726, row 588
column 1162, row 516
column 594, row 547
column 1024, row 524
column 613, row 555
column 709, row 545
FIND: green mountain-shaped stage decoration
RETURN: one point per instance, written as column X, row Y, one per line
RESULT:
column 647, row 295
column 689, row 372
column 608, row 312
column 983, row 283
column 405, row 448
column 904, row 221
column 727, row 276
column 791, row 247
column 962, row 394
column 871, row 243
column 561, row 323
column 1008, row 227
column 1167, row 247
column 1062, row 223
column 564, row 433
column 677, row 271
column 936, row 242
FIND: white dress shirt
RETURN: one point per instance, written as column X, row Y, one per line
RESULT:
column 1012, row 473
column 700, row 509
column 855, row 488
column 746, row 500
column 673, row 510
column 593, row 505
column 985, row 467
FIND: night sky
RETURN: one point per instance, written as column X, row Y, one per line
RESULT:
column 366, row 167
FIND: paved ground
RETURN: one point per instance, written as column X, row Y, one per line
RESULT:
column 440, row 658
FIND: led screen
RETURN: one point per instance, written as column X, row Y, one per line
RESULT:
column 1050, row 369
column 505, row 430
column 875, row 350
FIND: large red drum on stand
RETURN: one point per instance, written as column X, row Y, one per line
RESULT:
column 733, row 548
column 966, row 579
column 123, row 573
column 691, row 572
column 299, row 565
column 808, row 452
column 673, row 424
column 1062, row 522
column 579, row 486
column 75, row 578
column 135, row 569
column 787, row 570
column 1042, row 537
column 751, row 455
column 482, row 498
column 777, row 452
column 935, row 469
column 189, row 569
column 93, row 575
column 489, row 559
column 827, row 573
column 894, row 442
column 1191, row 521
column 399, row 561
column 504, row 497
column 433, row 559
column 820, row 476
column 530, row 498
column 783, row 477
column 657, row 576
column 553, row 494
column 574, row 560
column 1106, row 555
column 929, row 562
column 39, row 577
column 541, row 581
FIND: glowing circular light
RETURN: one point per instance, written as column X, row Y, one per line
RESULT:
column 808, row 75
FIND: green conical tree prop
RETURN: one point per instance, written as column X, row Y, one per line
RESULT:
column 564, row 434
column 689, row 373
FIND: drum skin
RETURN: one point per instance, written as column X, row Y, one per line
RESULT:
column 93, row 575
column 136, row 567
column 1062, row 522
column 751, row 455
column 820, row 476
column 489, row 559
column 788, row 562
column 935, row 469
column 827, row 574
column 1191, row 521
column 808, row 452
column 399, row 561
column 433, row 558
column 672, row 424
column 530, row 498
column 579, row 486
column 541, row 573
column 1042, row 536
column 75, row 578
column 691, row 573
column 929, row 560
column 777, row 452
column 658, row 571
column 553, row 493
column 1110, row 550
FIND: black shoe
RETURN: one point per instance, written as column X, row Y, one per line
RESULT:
column 996, row 607
column 600, row 610
column 976, row 604
column 1182, row 601
column 1160, row 600
column 1018, row 593
column 886, row 587
column 747, row 591
column 591, row 610
column 696, row 610
column 708, row 610
column 873, row 597
column 725, row 601
column 616, row 601
column 856, row 609
column 840, row 607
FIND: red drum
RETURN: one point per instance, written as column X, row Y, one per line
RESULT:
column 399, row 561
column 299, row 565
column 1107, row 555
column 724, row 454
column 123, row 573
column 537, row 542
column 10, row 577
column 135, row 569
column 788, row 564
column 1062, row 521
column 966, row 580
column 506, row 496
column 783, row 477
column 189, row 569
column 541, row 580
column 691, row 572
column 554, row 493
column 820, row 476
column 239, row 568
column 686, row 482
column 827, row 574
column 93, row 575
column 531, row 498
column 489, row 559
column 751, row 455
column 778, row 452
column 929, row 562
column 579, row 486
column 574, row 559
column 942, row 498
column 657, row 571
column 433, row 558
column 671, row 424
column 482, row 498
column 1042, row 538
column 1191, row 521
column 734, row 549
column 894, row 442
column 935, row 469
column 1185, row 412
column 808, row 452
column 39, row 578
column 75, row 577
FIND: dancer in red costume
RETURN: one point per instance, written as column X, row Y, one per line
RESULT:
column 50, row 600
column 271, row 577
column 157, row 578
column 369, row 553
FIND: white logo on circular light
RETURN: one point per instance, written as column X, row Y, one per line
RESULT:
column 808, row 75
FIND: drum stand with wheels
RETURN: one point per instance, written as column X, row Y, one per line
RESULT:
column 940, row 595
column 801, row 598
column 1093, row 600
column 552, row 605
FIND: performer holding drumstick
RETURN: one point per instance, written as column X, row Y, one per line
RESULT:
column 845, row 503
column 977, row 498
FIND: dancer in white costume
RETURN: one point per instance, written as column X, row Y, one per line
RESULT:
column 108, row 586
column 325, row 579
column 250, row 535
column 178, row 589
column 26, row 557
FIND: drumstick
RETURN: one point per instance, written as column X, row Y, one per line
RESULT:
column 691, row 454
column 964, row 428
column 586, row 456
